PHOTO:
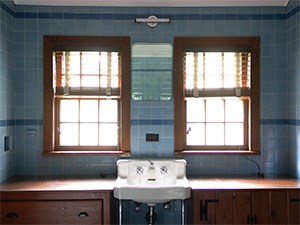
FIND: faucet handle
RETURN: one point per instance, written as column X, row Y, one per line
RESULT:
column 139, row 170
column 164, row 170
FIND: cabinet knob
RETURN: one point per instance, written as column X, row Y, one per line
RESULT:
column 83, row 214
column 12, row 215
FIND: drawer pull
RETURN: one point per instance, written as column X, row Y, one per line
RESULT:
column 12, row 215
column 83, row 214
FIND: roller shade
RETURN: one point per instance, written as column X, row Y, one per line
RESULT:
column 86, row 73
column 215, row 74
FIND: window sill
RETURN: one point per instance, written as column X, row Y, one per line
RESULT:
column 216, row 152
column 66, row 153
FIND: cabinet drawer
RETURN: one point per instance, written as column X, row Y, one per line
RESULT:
column 52, row 212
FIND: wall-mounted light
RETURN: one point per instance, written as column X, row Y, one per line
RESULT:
column 152, row 21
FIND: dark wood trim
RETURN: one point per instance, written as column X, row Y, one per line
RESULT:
column 53, row 42
column 182, row 43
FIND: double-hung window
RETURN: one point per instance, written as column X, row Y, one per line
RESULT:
column 87, row 94
column 216, row 94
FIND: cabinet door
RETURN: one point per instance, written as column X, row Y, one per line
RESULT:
column 242, row 207
column 294, row 207
column 278, row 207
column 260, row 207
column 224, row 207
column 213, row 207
column 251, row 207
column 197, row 195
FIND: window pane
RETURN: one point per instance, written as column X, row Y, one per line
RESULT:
column 103, row 81
column 88, row 134
column 215, row 110
column 195, row 110
column 68, row 134
column 215, row 134
column 234, row 134
column 213, row 70
column 195, row 134
column 229, row 70
column 234, row 110
column 108, row 111
column 74, row 81
column 217, row 69
column 89, row 110
column 114, row 63
column 74, row 63
column 90, row 81
column 69, row 110
column 90, row 62
column 108, row 134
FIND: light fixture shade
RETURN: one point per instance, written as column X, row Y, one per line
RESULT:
column 152, row 21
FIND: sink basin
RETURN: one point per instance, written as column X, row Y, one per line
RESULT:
column 152, row 181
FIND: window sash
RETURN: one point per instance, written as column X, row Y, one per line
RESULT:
column 78, row 122
column 217, row 74
column 95, row 73
column 205, row 122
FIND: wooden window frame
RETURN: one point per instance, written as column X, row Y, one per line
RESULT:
column 50, row 44
column 182, row 43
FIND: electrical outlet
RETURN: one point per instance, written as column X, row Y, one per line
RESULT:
column 7, row 143
column 152, row 137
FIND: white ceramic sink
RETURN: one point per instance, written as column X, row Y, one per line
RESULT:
column 152, row 181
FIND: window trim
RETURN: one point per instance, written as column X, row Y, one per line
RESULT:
column 50, row 44
column 182, row 43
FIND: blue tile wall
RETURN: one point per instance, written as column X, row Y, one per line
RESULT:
column 293, row 81
column 7, row 83
column 21, row 66
column 270, row 23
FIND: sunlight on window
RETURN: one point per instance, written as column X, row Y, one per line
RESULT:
column 88, row 68
column 234, row 134
column 88, row 134
column 234, row 110
column 108, row 111
column 108, row 134
column 216, row 69
column 195, row 110
column 214, row 110
column 214, row 121
column 90, row 63
column 89, row 110
column 195, row 134
column 69, row 134
column 69, row 110
column 94, row 122
column 214, row 134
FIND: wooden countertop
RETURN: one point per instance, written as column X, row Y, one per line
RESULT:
column 52, row 183
column 238, row 183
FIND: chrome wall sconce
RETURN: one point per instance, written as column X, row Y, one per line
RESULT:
column 152, row 21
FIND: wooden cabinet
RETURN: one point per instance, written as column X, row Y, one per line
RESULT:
column 55, row 208
column 278, row 207
column 294, row 207
column 251, row 207
column 213, row 207
column 246, row 207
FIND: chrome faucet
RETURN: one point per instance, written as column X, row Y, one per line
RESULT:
column 151, row 164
